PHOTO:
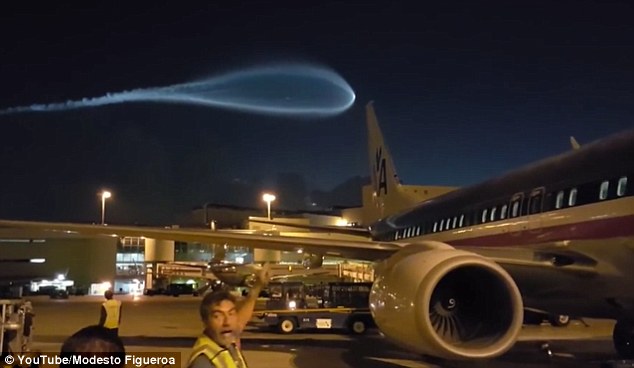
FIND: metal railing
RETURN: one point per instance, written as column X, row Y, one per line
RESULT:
column 16, row 322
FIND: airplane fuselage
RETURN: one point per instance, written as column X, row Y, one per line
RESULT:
column 572, row 216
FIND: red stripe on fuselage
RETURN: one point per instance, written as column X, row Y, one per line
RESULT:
column 586, row 230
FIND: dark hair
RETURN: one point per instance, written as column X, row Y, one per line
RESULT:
column 108, row 294
column 213, row 298
column 93, row 341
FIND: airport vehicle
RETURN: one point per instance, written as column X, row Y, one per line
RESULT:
column 333, row 305
column 59, row 294
column 153, row 291
column 457, row 271
column 180, row 289
column 173, row 289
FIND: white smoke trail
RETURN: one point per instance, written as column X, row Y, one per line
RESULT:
column 288, row 89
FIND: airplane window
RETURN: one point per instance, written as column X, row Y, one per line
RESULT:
column 484, row 215
column 493, row 210
column 603, row 191
column 560, row 199
column 536, row 203
column 515, row 210
column 442, row 222
column 622, row 186
column 435, row 226
column 503, row 212
column 461, row 220
column 447, row 224
column 572, row 197
column 417, row 230
column 524, row 206
column 455, row 222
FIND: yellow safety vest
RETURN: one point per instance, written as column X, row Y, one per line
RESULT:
column 113, row 310
column 219, row 356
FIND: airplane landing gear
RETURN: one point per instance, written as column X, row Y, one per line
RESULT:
column 623, row 337
column 559, row 320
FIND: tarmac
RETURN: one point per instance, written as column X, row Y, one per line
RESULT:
column 162, row 324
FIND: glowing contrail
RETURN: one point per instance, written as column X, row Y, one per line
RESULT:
column 288, row 89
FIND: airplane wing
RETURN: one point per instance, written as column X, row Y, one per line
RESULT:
column 354, row 231
column 545, row 257
column 328, row 245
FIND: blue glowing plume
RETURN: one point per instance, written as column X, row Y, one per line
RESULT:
column 277, row 90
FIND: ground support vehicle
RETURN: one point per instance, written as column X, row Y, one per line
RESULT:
column 335, row 305
column 354, row 320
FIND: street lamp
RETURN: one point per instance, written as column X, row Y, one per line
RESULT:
column 268, row 198
column 105, row 194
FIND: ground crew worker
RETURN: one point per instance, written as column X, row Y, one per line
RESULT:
column 110, row 313
column 225, row 318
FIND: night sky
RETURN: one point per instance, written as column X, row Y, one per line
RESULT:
column 463, row 91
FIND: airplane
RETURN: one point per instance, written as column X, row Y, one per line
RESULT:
column 455, row 272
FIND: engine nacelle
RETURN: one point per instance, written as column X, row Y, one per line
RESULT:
column 448, row 303
column 311, row 261
column 233, row 274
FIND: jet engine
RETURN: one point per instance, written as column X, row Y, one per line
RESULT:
column 448, row 303
column 233, row 274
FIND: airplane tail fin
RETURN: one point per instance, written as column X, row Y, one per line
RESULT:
column 388, row 195
column 384, row 176
column 386, row 185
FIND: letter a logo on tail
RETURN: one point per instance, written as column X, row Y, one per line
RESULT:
column 383, row 174
column 379, row 172
column 389, row 195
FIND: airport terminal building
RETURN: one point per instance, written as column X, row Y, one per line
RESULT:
column 131, row 264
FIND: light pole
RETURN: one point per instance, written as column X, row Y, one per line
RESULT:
column 105, row 194
column 268, row 198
